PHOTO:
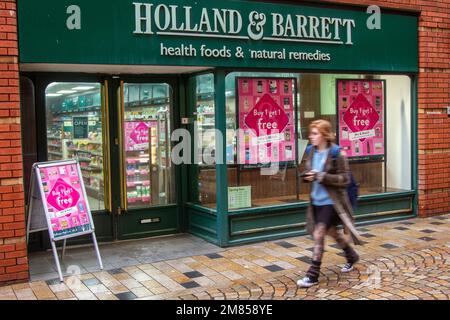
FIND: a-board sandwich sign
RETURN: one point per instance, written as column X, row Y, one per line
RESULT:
column 58, row 197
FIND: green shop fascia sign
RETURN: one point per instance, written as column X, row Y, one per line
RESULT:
column 215, row 33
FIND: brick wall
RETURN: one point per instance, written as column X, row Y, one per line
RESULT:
column 13, row 250
column 433, row 97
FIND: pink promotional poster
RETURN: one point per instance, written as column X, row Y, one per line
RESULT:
column 65, row 199
column 136, row 135
column 266, row 120
column 361, row 118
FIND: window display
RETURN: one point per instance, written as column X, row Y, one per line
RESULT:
column 368, row 112
column 75, row 131
column 204, row 125
column 267, row 121
column 360, row 106
column 204, row 116
column 263, row 100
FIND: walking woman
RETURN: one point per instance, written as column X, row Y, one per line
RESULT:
column 329, row 204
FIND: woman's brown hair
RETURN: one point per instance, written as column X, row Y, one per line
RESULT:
column 324, row 128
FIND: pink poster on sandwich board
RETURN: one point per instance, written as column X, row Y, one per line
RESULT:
column 65, row 199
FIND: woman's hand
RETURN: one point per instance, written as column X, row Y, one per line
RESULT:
column 310, row 176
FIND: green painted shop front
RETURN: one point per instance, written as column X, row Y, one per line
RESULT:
column 183, row 62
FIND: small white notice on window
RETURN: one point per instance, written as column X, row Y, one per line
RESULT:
column 309, row 114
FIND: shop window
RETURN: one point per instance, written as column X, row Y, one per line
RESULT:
column 381, row 162
column 74, row 117
column 204, row 140
column 264, row 173
column 261, row 134
column 148, row 170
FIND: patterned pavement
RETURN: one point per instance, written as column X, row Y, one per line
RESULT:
column 400, row 260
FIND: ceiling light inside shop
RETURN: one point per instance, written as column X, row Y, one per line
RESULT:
column 66, row 91
column 53, row 94
column 83, row 88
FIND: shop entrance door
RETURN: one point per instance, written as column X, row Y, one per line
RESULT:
column 147, row 202
column 119, row 130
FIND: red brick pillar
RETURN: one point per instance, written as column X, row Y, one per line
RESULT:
column 434, row 97
column 13, row 249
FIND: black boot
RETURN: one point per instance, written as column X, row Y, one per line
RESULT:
column 311, row 277
column 351, row 255
column 352, row 258
column 314, row 270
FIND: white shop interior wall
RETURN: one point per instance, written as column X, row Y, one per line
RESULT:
column 398, row 112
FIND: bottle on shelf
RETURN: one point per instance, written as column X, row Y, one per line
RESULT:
column 260, row 86
column 286, row 86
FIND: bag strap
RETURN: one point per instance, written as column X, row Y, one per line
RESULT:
column 308, row 149
column 335, row 149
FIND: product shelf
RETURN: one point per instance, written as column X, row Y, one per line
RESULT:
column 138, row 183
